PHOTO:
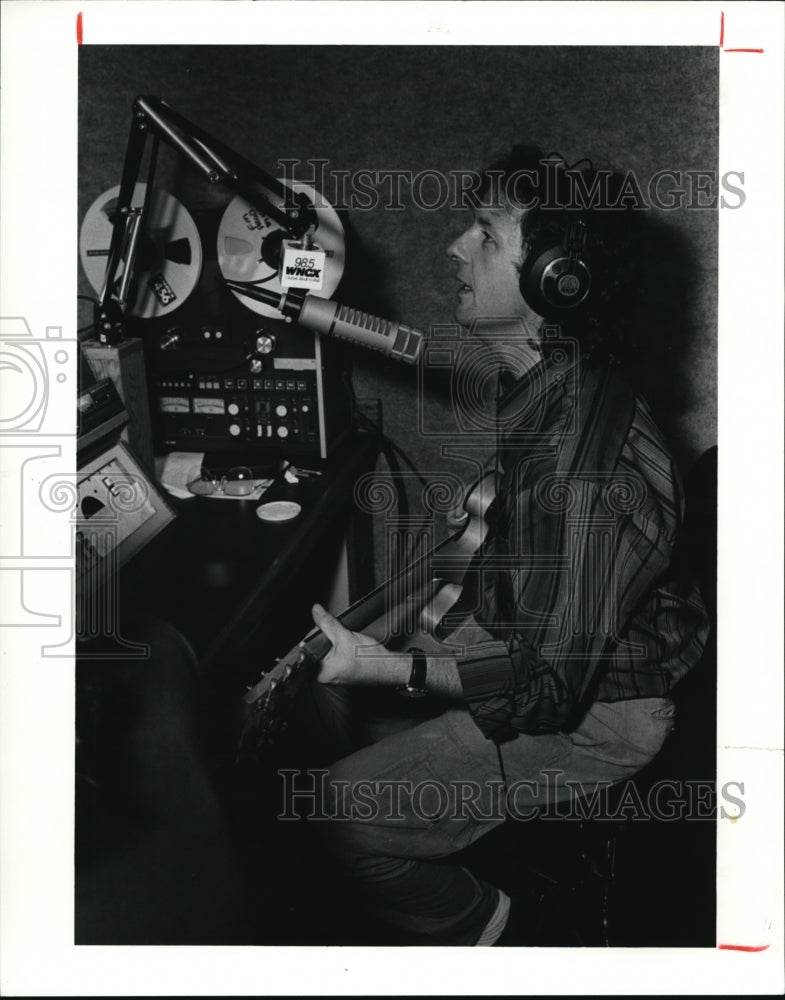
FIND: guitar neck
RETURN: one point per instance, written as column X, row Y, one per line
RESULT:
column 394, row 608
column 382, row 611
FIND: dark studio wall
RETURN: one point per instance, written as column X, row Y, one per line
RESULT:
column 446, row 108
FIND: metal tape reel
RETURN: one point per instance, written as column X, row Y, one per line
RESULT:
column 249, row 240
column 169, row 257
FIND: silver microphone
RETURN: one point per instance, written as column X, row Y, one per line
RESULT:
column 394, row 340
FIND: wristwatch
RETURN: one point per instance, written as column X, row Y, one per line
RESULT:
column 416, row 686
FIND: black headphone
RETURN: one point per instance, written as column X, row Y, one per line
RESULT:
column 556, row 277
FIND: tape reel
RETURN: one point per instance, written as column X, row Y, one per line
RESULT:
column 250, row 244
column 169, row 256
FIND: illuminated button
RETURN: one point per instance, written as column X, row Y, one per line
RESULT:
column 234, row 429
column 233, row 409
column 305, row 408
column 242, row 383
column 283, row 432
column 281, row 410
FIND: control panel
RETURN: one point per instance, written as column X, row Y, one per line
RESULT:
column 207, row 411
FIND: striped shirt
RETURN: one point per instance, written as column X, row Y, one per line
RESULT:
column 573, row 590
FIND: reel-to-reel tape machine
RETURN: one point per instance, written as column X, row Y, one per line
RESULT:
column 226, row 373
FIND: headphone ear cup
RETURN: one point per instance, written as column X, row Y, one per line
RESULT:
column 530, row 280
column 552, row 282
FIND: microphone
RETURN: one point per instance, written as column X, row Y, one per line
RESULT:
column 394, row 340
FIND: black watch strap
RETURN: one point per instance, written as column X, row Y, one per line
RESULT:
column 416, row 686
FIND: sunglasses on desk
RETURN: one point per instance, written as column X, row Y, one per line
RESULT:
column 235, row 482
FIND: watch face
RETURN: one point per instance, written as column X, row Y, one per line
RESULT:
column 411, row 692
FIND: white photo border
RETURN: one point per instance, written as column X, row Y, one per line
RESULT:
column 38, row 192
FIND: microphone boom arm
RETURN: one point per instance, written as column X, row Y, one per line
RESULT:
column 218, row 163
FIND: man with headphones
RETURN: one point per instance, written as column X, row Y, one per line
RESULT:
column 575, row 629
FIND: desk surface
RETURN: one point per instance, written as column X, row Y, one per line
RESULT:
column 217, row 569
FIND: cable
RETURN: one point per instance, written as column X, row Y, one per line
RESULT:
column 252, row 284
column 391, row 451
column 372, row 425
column 391, row 445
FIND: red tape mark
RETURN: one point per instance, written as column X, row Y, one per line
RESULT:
column 79, row 28
column 743, row 947
column 722, row 37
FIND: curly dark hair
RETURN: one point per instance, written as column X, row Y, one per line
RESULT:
column 552, row 194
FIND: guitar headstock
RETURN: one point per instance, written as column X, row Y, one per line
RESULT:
column 269, row 701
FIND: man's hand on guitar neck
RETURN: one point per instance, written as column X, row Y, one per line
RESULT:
column 356, row 658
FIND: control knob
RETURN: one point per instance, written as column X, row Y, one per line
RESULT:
column 265, row 342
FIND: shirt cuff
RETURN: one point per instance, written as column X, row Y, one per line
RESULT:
column 488, row 683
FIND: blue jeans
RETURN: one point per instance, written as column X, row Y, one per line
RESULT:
column 419, row 790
